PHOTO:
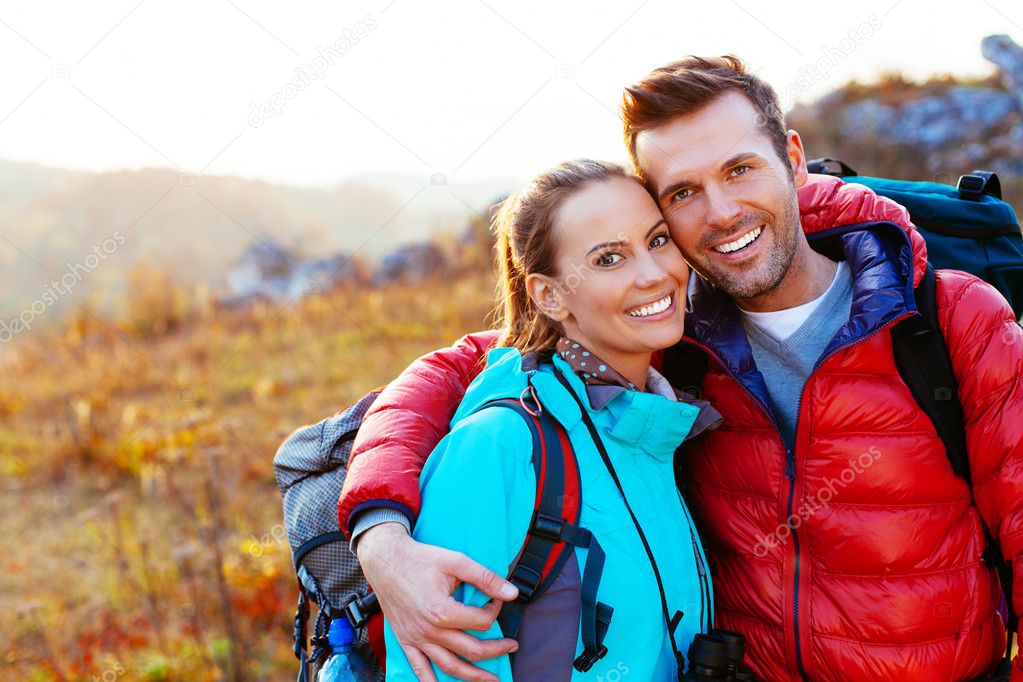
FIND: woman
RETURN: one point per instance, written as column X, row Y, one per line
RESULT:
column 591, row 286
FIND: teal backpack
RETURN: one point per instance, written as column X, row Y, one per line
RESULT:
column 967, row 227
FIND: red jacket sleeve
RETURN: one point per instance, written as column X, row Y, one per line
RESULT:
column 404, row 425
column 412, row 414
column 986, row 346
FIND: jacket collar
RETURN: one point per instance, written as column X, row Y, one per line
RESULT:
column 649, row 422
column 881, row 260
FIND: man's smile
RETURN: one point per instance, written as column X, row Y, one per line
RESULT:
column 742, row 242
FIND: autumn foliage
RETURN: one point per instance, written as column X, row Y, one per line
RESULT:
column 141, row 529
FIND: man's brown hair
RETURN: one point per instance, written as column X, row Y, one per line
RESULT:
column 688, row 85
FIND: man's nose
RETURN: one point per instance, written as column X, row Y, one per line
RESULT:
column 722, row 208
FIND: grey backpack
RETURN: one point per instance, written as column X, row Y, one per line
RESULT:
column 310, row 467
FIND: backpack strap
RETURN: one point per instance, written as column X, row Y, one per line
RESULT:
column 554, row 533
column 684, row 366
column 318, row 641
column 358, row 610
column 313, row 543
column 925, row 365
column 826, row 166
column 975, row 184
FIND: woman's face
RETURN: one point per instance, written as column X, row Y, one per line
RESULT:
column 621, row 281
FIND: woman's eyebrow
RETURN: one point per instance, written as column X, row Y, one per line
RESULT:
column 624, row 241
column 616, row 242
column 655, row 226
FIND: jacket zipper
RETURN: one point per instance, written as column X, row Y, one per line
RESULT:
column 790, row 474
column 706, row 604
column 790, row 465
column 705, row 613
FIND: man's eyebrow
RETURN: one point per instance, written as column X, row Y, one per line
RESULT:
column 686, row 182
column 674, row 187
column 739, row 157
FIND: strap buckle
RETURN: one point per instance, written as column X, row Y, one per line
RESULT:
column 833, row 167
column 359, row 610
column 557, row 529
column 547, row 527
column 977, row 183
column 526, row 579
column 588, row 658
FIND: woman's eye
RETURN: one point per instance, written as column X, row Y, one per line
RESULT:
column 659, row 240
column 607, row 259
column 740, row 170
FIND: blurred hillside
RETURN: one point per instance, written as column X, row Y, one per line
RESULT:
column 198, row 226
column 935, row 130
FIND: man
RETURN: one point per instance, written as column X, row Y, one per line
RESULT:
column 845, row 547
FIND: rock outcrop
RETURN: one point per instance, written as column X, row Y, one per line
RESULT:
column 411, row 264
column 268, row 271
column 951, row 127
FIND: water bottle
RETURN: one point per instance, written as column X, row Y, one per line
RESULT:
column 343, row 664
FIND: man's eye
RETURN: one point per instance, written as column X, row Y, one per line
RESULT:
column 681, row 194
column 659, row 240
column 607, row 259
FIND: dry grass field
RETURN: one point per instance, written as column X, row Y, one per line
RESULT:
column 140, row 536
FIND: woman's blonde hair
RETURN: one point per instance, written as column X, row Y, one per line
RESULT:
column 526, row 245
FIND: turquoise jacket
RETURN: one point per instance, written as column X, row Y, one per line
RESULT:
column 478, row 490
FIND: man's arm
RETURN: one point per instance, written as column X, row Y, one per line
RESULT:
column 404, row 425
column 380, row 499
column 986, row 346
column 478, row 491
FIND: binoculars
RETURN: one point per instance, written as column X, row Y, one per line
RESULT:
column 717, row 657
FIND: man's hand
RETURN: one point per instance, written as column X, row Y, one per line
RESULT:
column 414, row 583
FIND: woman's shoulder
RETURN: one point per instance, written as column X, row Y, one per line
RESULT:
column 508, row 374
column 512, row 375
column 492, row 447
column 493, row 432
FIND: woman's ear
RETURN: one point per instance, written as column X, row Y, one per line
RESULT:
column 543, row 290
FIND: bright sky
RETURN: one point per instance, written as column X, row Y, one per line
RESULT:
column 469, row 88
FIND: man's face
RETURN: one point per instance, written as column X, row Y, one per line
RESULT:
column 729, row 201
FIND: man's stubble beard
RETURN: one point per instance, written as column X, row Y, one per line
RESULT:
column 743, row 285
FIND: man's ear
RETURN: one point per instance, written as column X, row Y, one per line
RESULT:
column 797, row 157
column 544, row 292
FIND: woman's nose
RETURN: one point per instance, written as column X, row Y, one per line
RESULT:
column 650, row 273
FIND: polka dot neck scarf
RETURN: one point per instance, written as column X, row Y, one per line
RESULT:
column 592, row 370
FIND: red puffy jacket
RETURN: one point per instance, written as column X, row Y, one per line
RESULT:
column 858, row 555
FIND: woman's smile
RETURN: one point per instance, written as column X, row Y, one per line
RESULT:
column 658, row 309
